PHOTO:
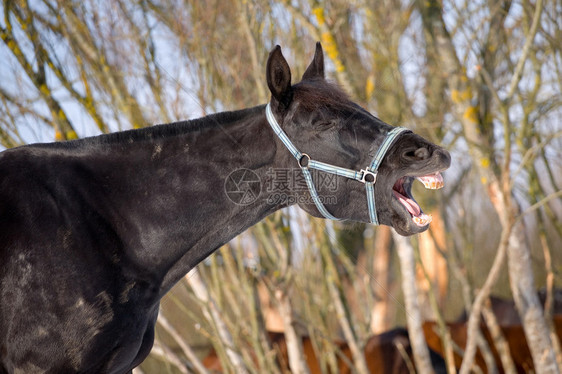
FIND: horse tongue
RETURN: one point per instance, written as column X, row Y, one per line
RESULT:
column 410, row 204
column 420, row 218
column 432, row 181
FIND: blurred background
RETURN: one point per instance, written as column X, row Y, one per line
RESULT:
column 481, row 78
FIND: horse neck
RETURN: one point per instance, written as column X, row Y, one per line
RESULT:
column 167, row 194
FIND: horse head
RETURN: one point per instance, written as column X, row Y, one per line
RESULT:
column 370, row 167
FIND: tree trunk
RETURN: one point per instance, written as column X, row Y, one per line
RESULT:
column 381, row 275
column 413, row 314
column 297, row 361
column 434, row 262
column 528, row 305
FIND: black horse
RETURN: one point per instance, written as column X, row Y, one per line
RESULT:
column 94, row 232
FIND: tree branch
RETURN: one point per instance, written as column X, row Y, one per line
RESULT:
column 413, row 315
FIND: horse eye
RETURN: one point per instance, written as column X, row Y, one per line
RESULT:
column 408, row 154
column 422, row 153
column 418, row 153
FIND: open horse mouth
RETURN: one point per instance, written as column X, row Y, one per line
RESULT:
column 402, row 190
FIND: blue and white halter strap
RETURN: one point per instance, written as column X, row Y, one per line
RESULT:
column 368, row 176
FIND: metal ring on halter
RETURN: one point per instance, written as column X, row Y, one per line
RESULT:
column 368, row 176
column 303, row 157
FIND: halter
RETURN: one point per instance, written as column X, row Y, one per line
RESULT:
column 368, row 176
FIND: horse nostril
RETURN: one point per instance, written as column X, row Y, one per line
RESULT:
column 445, row 156
column 422, row 153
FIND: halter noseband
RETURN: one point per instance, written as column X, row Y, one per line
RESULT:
column 368, row 176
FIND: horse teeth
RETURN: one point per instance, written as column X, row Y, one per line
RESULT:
column 423, row 219
column 432, row 182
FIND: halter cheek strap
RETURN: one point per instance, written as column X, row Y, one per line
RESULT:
column 368, row 176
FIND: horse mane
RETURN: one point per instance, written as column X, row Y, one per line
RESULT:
column 160, row 131
column 311, row 93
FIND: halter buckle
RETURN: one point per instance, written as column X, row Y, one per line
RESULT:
column 304, row 160
column 368, row 176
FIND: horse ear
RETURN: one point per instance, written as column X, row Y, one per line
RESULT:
column 316, row 67
column 279, row 77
